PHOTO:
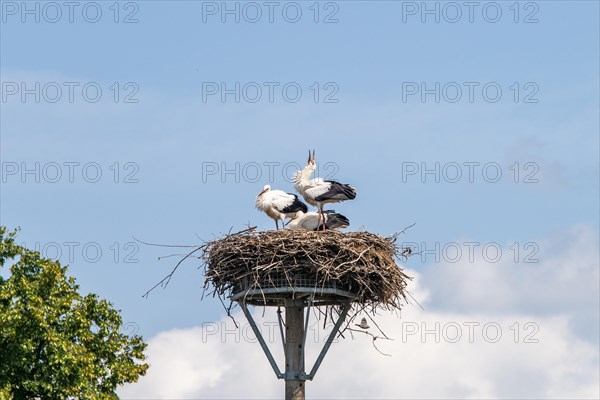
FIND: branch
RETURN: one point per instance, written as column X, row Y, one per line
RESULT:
column 249, row 229
column 380, row 330
column 395, row 235
column 374, row 339
column 405, row 229
column 162, row 245
column 171, row 255
column 165, row 281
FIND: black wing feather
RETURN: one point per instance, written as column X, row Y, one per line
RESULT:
column 296, row 206
column 334, row 220
column 338, row 191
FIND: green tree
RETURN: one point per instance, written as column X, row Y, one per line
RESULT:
column 54, row 342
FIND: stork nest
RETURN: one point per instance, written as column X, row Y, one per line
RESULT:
column 360, row 263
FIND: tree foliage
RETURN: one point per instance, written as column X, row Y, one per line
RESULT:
column 54, row 342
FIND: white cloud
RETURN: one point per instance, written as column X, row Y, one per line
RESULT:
column 180, row 368
column 564, row 280
column 430, row 359
column 487, row 350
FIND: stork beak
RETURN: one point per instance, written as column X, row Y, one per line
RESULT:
column 309, row 157
column 313, row 155
column 264, row 190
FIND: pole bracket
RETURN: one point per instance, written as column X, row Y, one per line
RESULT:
column 296, row 375
column 261, row 340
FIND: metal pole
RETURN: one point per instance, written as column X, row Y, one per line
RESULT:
column 294, row 364
column 310, row 301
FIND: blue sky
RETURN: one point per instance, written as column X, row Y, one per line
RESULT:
column 541, row 134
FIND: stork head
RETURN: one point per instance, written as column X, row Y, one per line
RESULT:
column 265, row 189
column 311, row 163
column 311, row 157
column 308, row 170
column 298, row 214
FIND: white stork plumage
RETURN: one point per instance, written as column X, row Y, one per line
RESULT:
column 318, row 192
column 310, row 221
column 278, row 204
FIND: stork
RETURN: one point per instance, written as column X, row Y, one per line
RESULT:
column 318, row 192
column 310, row 221
column 363, row 324
column 278, row 204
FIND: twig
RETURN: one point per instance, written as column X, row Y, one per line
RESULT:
column 170, row 255
column 374, row 339
column 165, row 281
column 162, row 245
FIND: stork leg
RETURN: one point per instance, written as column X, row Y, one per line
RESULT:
column 321, row 216
column 277, row 224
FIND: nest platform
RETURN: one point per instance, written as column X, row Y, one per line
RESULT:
column 277, row 268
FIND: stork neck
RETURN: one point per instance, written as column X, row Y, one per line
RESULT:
column 303, row 175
